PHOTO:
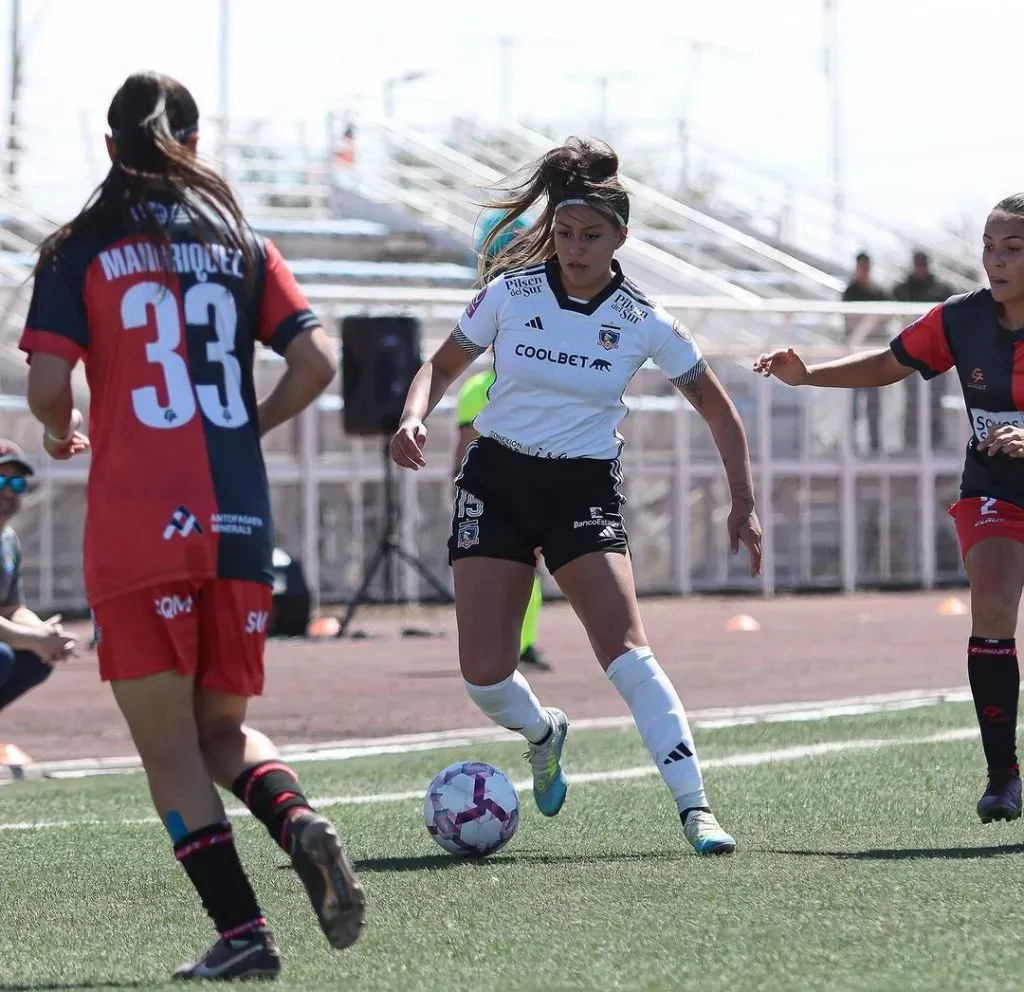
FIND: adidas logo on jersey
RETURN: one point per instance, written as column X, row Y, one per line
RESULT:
column 535, row 323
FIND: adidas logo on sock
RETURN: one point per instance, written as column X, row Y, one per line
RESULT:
column 679, row 753
column 535, row 323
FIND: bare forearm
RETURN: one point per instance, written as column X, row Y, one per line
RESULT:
column 17, row 635
column 710, row 400
column 428, row 386
column 23, row 616
column 294, row 391
column 731, row 441
column 54, row 411
column 861, row 371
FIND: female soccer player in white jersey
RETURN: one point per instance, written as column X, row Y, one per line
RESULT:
column 569, row 331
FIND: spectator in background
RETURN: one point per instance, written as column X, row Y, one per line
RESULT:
column 28, row 646
column 922, row 286
column 861, row 289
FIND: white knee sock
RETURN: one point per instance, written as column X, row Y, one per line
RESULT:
column 512, row 704
column 661, row 720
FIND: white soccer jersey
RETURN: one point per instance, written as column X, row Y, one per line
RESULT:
column 562, row 365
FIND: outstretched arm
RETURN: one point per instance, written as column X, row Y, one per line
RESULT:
column 861, row 371
column 429, row 384
column 708, row 397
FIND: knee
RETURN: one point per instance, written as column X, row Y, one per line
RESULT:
column 993, row 610
column 220, row 734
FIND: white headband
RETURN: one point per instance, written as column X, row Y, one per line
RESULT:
column 580, row 201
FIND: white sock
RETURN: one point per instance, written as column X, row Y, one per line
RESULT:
column 512, row 704
column 661, row 720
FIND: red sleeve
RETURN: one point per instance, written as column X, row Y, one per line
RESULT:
column 924, row 345
column 284, row 309
column 57, row 322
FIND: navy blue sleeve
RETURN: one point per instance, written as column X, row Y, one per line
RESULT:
column 57, row 323
column 284, row 310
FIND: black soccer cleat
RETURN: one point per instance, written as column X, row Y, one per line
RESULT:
column 252, row 956
column 535, row 660
column 1001, row 800
column 329, row 878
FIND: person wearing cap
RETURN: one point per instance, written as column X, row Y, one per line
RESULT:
column 923, row 286
column 29, row 646
column 472, row 398
column 569, row 331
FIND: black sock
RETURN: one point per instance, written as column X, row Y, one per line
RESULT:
column 995, row 684
column 272, row 793
column 211, row 862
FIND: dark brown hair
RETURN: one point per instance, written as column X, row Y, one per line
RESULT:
column 151, row 119
column 583, row 168
column 1012, row 205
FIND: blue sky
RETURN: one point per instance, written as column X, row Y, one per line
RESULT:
column 930, row 115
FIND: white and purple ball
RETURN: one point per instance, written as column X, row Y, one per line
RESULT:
column 471, row 809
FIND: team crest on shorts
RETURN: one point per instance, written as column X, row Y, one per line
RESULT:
column 608, row 337
column 469, row 534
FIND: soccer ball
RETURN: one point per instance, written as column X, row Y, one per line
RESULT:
column 471, row 809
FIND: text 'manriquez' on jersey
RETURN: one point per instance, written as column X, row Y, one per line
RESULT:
column 177, row 486
column 964, row 332
column 562, row 365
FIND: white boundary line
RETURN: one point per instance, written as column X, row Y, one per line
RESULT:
column 743, row 760
column 708, row 719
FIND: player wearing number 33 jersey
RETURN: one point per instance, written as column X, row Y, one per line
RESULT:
column 160, row 287
column 177, row 488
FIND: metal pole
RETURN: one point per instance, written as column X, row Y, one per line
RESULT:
column 505, row 77
column 223, row 77
column 834, row 113
column 14, row 95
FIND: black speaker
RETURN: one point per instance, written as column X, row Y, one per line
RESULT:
column 379, row 357
column 292, row 602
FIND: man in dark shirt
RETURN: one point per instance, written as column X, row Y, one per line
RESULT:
column 862, row 290
column 922, row 286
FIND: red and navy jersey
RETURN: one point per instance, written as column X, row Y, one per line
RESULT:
column 177, row 487
column 965, row 333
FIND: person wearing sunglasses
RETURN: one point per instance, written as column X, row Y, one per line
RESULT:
column 29, row 646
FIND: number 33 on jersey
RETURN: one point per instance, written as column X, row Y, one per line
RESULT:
column 168, row 353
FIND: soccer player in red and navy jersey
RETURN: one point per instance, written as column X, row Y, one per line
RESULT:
column 981, row 335
column 162, row 290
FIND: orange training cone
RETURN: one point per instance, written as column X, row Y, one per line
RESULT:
column 952, row 607
column 12, row 755
column 324, row 627
column 742, row 621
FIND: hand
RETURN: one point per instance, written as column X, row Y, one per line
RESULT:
column 786, row 365
column 1005, row 440
column 407, row 444
column 53, row 623
column 745, row 529
column 74, row 444
column 51, row 645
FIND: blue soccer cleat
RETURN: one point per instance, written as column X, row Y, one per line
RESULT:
column 549, row 785
column 705, row 833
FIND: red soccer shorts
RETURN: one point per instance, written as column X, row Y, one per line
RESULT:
column 216, row 629
column 980, row 517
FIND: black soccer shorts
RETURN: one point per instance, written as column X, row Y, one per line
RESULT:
column 510, row 505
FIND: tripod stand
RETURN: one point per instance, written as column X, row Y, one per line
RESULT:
column 388, row 549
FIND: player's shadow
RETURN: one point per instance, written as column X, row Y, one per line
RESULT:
column 71, row 986
column 436, row 862
column 911, row 853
